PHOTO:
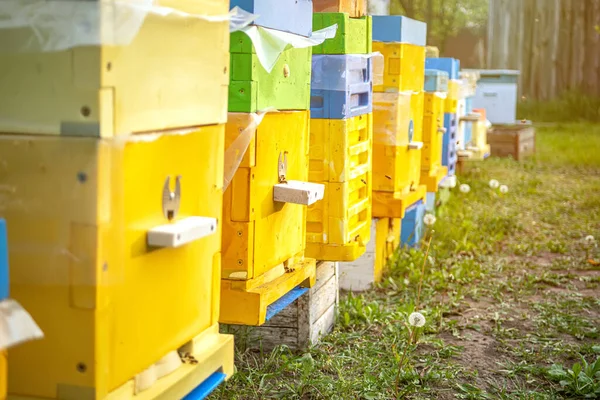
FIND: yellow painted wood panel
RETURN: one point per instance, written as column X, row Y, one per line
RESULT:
column 173, row 74
column 109, row 305
column 395, row 167
column 272, row 232
column 340, row 149
column 404, row 67
column 433, row 135
column 343, row 215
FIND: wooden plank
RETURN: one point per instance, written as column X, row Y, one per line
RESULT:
column 323, row 325
column 321, row 300
column 325, row 270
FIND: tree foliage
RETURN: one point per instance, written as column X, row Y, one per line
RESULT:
column 445, row 18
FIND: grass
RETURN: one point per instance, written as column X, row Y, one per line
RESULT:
column 511, row 296
column 571, row 106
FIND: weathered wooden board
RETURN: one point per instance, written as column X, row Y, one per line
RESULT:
column 515, row 141
column 302, row 323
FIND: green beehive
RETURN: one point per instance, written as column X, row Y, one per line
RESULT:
column 353, row 36
column 252, row 88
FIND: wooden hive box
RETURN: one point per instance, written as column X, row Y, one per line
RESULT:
column 340, row 158
column 252, row 88
column 354, row 8
column 96, row 282
column 173, row 73
column 264, row 239
column 353, row 35
column 516, row 141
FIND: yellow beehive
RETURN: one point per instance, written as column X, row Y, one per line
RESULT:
column 338, row 227
column 404, row 67
column 264, row 240
column 451, row 103
column 396, row 153
column 386, row 242
column 152, row 74
column 340, row 158
column 432, row 52
column 480, row 149
column 3, row 375
column 432, row 170
column 111, row 306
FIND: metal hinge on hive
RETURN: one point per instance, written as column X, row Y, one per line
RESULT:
column 295, row 192
column 178, row 233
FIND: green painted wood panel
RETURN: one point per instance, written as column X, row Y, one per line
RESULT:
column 251, row 88
column 353, row 36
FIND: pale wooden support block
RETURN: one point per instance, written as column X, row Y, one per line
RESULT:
column 359, row 275
column 302, row 323
column 415, row 145
column 472, row 117
column 181, row 232
column 449, row 182
column 297, row 192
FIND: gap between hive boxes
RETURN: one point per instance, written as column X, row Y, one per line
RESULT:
column 300, row 324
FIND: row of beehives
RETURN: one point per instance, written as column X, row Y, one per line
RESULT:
column 155, row 184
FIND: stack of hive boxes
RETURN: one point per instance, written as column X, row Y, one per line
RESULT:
column 476, row 147
column 398, row 119
column 265, row 206
column 451, row 110
column 397, row 134
column 432, row 170
column 338, row 228
column 113, row 152
column 479, row 146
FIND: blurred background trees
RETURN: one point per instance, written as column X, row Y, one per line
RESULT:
column 445, row 18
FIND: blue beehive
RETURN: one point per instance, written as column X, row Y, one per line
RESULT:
column 450, row 65
column 411, row 232
column 341, row 86
column 396, row 28
column 3, row 261
column 294, row 16
column 449, row 156
column 468, row 126
column 436, row 80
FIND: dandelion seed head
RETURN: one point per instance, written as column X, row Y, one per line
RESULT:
column 464, row 188
column 429, row 219
column 589, row 239
column 494, row 183
column 416, row 319
column 503, row 189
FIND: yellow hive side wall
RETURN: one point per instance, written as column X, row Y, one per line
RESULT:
column 79, row 216
column 433, row 119
column 273, row 232
column 391, row 118
column 148, row 85
column 342, row 148
column 404, row 67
